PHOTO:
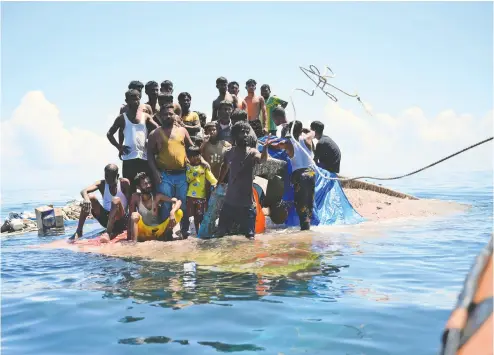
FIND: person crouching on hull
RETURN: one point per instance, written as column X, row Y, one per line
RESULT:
column 144, row 213
column 298, row 148
column 239, row 203
column 112, row 215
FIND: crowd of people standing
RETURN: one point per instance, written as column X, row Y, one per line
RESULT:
column 172, row 160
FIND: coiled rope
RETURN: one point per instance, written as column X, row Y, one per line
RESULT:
column 323, row 80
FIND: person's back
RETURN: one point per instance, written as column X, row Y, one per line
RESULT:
column 328, row 153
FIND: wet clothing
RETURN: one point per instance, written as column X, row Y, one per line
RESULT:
column 304, row 183
column 214, row 153
column 244, row 216
column 132, row 167
column 196, row 208
column 327, row 154
column 135, row 137
column 174, row 184
column 119, row 225
column 146, row 232
column 196, row 178
column 241, row 163
column 302, row 156
column 172, row 154
column 147, row 215
column 107, row 196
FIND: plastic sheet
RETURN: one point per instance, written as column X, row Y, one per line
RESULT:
column 331, row 205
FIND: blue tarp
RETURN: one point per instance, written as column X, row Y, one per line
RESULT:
column 331, row 205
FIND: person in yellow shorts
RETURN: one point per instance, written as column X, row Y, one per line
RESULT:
column 145, row 223
column 196, row 193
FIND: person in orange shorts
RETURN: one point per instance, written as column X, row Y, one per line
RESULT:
column 145, row 223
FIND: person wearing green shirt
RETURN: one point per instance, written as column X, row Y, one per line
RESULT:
column 272, row 101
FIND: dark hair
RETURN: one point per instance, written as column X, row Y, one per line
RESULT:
column 166, row 83
column 239, row 115
column 221, row 80
column 239, row 127
column 197, row 140
column 278, row 111
column 317, row 126
column 250, row 81
column 297, row 128
column 183, row 95
column 225, row 103
column 132, row 92
column 193, row 151
column 209, row 125
column 231, row 83
column 111, row 168
column 265, row 86
column 135, row 84
column 140, row 176
column 167, row 107
column 163, row 96
column 202, row 118
column 150, row 84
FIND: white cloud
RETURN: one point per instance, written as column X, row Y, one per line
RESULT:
column 382, row 144
column 38, row 150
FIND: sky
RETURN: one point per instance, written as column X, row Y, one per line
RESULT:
column 424, row 70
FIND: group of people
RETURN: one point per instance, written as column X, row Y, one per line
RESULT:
column 172, row 160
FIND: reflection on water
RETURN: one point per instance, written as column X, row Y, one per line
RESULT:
column 376, row 289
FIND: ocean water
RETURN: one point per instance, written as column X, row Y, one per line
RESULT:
column 378, row 289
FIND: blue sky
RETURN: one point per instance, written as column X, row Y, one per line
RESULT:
column 81, row 56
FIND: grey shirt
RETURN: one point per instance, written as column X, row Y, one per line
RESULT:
column 241, row 163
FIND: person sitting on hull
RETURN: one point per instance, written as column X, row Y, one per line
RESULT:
column 145, row 221
column 112, row 214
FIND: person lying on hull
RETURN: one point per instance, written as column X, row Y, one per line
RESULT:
column 145, row 221
column 112, row 214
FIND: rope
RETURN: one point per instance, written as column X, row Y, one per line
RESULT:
column 323, row 79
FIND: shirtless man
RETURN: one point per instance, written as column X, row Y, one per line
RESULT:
column 221, row 85
column 255, row 107
column 233, row 88
column 152, row 90
column 133, row 127
column 112, row 214
column 143, row 209
column 167, row 88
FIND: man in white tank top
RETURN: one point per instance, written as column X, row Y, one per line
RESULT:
column 144, row 210
column 112, row 215
column 134, row 125
column 299, row 150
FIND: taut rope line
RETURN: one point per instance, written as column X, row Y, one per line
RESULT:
column 323, row 79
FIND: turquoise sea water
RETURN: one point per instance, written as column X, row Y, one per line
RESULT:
column 380, row 290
